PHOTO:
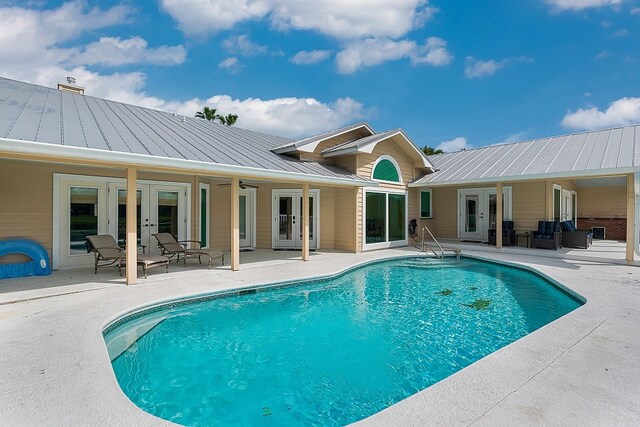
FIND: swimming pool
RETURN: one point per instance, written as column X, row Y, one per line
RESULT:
column 327, row 352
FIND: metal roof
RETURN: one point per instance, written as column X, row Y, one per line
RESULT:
column 35, row 114
column 314, row 140
column 601, row 152
column 368, row 143
column 360, row 144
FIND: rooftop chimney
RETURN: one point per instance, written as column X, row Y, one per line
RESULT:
column 70, row 86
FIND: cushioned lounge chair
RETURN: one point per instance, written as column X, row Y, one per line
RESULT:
column 508, row 234
column 574, row 238
column 548, row 235
column 171, row 247
column 108, row 253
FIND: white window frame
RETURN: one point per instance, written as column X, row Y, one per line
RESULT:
column 430, row 191
column 387, row 244
column 397, row 166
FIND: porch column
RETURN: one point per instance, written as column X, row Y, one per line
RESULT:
column 305, row 222
column 235, row 224
column 132, row 235
column 499, row 215
column 631, row 215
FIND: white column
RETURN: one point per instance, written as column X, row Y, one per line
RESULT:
column 499, row 215
column 305, row 222
column 132, row 235
column 235, row 224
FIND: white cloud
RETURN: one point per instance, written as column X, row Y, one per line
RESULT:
column 340, row 19
column 26, row 34
column 604, row 54
column 244, row 46
column 577, row 5
column 434, row 52
column 113, row 51
column 622, row 32
column 370, row 52
column 477, row 69
column 307, row 57
column 622, row 112
column 292, row 117
column 455, row 144
column 230, row 64
column 635, row 11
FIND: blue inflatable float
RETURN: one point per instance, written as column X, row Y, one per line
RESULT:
column 40, row 265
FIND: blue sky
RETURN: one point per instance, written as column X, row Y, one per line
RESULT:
column 451, row 73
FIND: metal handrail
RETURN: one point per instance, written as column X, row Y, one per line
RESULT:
column 425, row 245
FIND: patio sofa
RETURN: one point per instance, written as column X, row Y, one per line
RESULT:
column 548, row 235
column 508, row 234
column 574, row 238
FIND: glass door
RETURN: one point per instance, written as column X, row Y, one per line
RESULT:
column 167, row 213
column 472, row 216
column 287, row 208
column 118, row 214
column 247, row 217
column 477, row 210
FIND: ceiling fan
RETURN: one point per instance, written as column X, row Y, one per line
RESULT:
column 243, row 185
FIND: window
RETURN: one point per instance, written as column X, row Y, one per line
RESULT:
column 204, row 215
column 386, row 169
column 83, row 217
column 557, row 198
column 376, row 217
column 426, row 204
column 385, row 219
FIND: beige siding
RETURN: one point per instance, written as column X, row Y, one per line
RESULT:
column 528, row 205
column 608, row 202
column 344, row 219
column 445, row 213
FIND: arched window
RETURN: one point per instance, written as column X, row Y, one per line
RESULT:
column 386, row 169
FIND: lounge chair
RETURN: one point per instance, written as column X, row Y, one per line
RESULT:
column 171, row 247
column 574, row 238
column 108, row 253
column 548, row 235
column 508, row 234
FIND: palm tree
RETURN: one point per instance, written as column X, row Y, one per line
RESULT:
column 207, row 113
column 229, row 119
column 431, row 151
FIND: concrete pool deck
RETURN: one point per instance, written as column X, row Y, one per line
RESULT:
column 582, row 369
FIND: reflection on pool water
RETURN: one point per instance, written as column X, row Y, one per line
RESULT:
column 327, row 352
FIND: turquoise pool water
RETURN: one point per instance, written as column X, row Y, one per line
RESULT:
column 329, row 352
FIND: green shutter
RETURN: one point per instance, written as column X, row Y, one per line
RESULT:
column 203, row 217
column 386, row 171
column 425, row 204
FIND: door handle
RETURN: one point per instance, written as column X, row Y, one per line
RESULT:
column 152, row 225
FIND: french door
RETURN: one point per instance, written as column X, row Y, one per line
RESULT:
column 247, row 217
column 160, row 209
column 477, row 212
column 287, row 224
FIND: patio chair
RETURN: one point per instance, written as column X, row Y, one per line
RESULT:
column 108, row 253
column 574, row 238
column 171, row 247
column 548, row 235
column 508, row 234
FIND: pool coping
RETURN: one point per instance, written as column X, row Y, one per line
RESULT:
column 79, row 387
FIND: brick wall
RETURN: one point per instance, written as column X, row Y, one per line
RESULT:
column 615, row 228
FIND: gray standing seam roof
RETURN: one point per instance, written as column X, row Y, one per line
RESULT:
column 584, row 153
column 35, row 113
column 293, row 145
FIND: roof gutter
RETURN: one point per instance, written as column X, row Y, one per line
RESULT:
column 118, row 159
column 550, row 175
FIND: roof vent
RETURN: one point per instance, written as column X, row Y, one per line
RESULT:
column 70, row 86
